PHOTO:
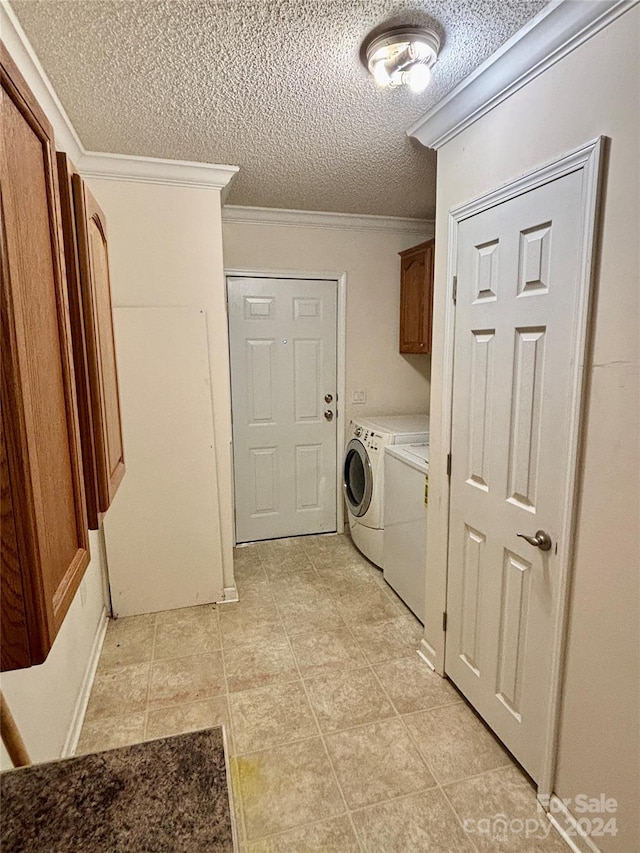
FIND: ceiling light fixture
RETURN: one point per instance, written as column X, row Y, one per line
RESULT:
column 403, row 56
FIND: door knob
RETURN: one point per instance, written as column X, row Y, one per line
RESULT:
column 328, row 398
column 328, row 415
column 541, row 540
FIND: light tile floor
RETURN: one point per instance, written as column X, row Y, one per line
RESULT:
column 340, row 738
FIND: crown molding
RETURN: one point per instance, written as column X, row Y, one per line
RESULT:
column 96, row 164
column 558, row 29
column 233, row 213
column 123, row 167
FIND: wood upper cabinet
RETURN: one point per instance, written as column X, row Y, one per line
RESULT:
column 86, row 251
column 416, row 298
column 44, row 534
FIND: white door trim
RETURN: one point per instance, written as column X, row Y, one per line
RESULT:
column 341, row 279
column 588, row 158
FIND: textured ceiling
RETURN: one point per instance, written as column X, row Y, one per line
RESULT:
column 273, row 86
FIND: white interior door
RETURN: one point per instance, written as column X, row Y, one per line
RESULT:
column 283, row 386
column 518, row 269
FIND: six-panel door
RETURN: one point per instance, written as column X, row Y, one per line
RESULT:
column 283, row 383
column 518, row 278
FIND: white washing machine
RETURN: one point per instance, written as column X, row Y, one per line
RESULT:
column 406, row 489
column 363, row 474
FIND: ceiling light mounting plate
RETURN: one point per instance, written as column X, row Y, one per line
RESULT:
column 403, row 56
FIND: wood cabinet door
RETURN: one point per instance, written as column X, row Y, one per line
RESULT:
column 86, row 248
column 43, row 465
column 416, row 298
column 14, row 635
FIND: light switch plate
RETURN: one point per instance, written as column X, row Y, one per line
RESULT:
column 358, row 396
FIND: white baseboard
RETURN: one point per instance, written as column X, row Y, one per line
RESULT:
column 77, row 720
column 568, row 827
column 230, row 593
column 427, row 653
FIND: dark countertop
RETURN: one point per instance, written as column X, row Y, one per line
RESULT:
column 163, row 795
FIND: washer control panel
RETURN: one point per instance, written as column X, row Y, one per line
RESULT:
column 368, row 437
column 370, row 440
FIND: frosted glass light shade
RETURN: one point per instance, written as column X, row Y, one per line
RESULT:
column 403, row 56
column 380, row 73
column 417, row 78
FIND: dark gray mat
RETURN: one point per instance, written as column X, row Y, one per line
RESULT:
column 165, row 795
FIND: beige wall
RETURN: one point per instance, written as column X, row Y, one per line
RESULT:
column 165, row 249
column 395, row 384
column 592, row 91
column 44, row 699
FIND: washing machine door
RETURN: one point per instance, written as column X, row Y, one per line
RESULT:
column 357, row 478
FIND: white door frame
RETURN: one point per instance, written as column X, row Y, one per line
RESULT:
column 588, row 158
column 341, row 280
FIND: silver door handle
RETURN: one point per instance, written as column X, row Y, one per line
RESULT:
column 328, row 398
column 328, row 415
column 541, row 540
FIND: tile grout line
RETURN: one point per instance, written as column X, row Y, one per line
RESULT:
column 397, row 798
column 322, row 738
column 349, row 626
column 438, row 785
column 151, row 662
column 294, row 680
column 401, row 797
column 400, row 608
column 398, row 715
column 247, row 840
column 430, row 708
column 306, row 825
column 243, row 841
column 473, row 776
column 406, row 729
column 370, row 664
column 324, row 735
column 458, row 817
column 377, row 722
column 285, row 581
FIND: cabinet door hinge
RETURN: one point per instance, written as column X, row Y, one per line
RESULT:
column 444, row 621
column 448, row 464
column 455, row 289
